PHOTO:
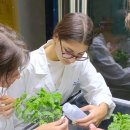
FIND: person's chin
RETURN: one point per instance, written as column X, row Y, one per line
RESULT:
column 66, row 62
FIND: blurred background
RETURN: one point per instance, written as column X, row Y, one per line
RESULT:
column 35, row 20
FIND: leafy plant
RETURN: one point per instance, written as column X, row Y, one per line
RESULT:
column 121, row 57
column 120, row 122
column 42, row 107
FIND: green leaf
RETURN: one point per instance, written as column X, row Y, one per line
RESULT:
column 43, row 107
column 121, row 57
column 120, row 122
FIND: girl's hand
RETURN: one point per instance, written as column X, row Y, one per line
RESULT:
column 96, row 115
column 61, row 124
column 93, row 127
column 6, row 105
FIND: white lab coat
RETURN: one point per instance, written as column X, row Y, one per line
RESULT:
column 37, row 75
column 5, row 123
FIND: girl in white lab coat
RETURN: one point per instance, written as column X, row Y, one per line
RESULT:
column 62, row 63
column 13, row 57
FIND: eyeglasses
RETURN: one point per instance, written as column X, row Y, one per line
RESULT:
column 69, row 55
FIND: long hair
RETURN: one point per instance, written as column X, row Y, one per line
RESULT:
column 13, row 52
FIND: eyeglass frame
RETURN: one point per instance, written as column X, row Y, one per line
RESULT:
column 72, row 56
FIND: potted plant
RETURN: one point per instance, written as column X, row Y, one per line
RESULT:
column 42, row 107
column 120, row 122
column 121, row 57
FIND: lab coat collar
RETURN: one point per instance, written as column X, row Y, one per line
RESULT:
column 41, row 64
column 41, row 69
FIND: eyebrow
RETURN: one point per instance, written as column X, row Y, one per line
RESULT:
column 73, row 51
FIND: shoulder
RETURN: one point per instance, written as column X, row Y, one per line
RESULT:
column 38, row 61
column 37, row 55
column 99, row 39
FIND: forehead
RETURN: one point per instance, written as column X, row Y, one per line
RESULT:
column 75, row 46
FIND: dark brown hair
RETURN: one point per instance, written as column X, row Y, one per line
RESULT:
column 13, row 52
column 75, row 26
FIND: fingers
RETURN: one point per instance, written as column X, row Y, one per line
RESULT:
column 85, row 122
column 59, row 122
column 86, row 108
column 6, row 100
column 8, row 113
column 6, row 110
column 92, row 127
column 85, row 119
column 6, row 107
column 64, row 125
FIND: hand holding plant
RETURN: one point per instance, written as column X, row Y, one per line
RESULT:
column 6, row 105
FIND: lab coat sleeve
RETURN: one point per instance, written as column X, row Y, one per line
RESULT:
column 94, row 87
column 15, row 91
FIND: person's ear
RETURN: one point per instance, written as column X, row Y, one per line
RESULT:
column 56, row 38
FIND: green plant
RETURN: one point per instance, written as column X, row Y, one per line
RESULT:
column 42, row 107
column 121, row 57
column 120, row 122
